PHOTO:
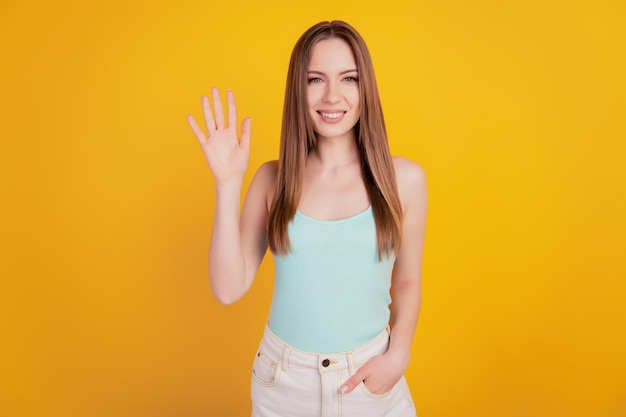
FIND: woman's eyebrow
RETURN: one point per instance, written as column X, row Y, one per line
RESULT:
column 341, row 73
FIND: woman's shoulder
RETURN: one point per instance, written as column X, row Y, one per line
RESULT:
column 265, row 180
column 408, row 171
column 266, row 174
column 411, row 180
column 268, row 168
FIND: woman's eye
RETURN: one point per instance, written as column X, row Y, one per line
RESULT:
column 352, row 79
column 314, row 80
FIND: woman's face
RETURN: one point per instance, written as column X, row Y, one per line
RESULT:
column 333, row 89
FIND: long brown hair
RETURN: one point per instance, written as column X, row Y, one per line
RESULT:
column 298, row 138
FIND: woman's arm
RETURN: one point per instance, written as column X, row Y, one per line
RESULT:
column 381, row 373
column 238, row 241
column 407, row 272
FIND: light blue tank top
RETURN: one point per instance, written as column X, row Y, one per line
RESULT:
column 331, row 294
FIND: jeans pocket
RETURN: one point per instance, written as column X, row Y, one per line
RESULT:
column 265, row 369
column 372, row 395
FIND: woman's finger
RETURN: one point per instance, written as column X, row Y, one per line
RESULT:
column 217, row 107
column 354, row 380
column 196, row 129
column 232, row 109
column 208, row 115
column 245, row 132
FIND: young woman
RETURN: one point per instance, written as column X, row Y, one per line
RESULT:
column 344, row 221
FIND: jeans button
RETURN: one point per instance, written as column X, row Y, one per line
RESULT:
column 325, row 363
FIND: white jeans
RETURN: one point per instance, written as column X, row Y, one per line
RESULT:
column 287, row 382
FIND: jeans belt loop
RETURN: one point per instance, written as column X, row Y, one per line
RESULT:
column 285, row 359
column 351, row 363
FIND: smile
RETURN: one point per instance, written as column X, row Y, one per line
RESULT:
column 332, row 115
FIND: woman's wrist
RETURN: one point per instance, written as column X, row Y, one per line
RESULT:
column 229, row 185
column 400, row 356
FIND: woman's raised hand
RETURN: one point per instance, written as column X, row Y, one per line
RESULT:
column 226, row 154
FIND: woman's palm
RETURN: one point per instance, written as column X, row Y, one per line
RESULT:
column 226, row 154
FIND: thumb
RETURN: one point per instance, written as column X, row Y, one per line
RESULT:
column 245, row 132
column 358, row 377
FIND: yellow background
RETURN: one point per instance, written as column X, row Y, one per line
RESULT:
column 514, row 108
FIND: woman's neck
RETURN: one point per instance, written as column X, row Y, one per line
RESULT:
column 334, row 152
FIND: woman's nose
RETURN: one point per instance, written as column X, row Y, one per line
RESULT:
column 332, row 93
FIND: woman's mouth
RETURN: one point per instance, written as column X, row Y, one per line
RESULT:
column 332, row 116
